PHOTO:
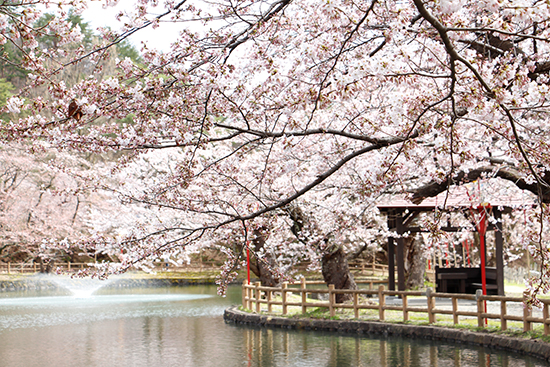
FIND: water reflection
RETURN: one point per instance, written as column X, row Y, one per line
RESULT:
column 184, row 327
column 273, row 347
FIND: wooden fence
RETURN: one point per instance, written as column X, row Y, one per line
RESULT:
column 255, row 295
column 356, row 266
column 35, row 267
column 198, row 266
column 30, row 267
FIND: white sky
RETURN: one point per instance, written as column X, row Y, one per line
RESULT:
column 159, row 38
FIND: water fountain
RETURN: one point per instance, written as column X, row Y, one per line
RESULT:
column 89, row 291
column 79, row 287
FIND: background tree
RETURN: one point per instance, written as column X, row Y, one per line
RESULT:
column 321, row 105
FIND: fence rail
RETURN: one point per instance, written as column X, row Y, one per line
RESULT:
column 30, row 267
column 34, row 267
column 354, row 266
column 255, row 295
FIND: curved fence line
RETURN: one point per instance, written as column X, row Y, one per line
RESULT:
column 254, row 296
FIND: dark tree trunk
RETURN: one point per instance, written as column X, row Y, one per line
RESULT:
column 266, row 269
column 336, row 271
column 415, row 264
column 44, row 266
column 334, row 264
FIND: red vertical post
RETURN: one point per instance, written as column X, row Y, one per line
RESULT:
column 482, row 253
column 466, row 243
column 482, row 230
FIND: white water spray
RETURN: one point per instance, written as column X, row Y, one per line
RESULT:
column 79, row 287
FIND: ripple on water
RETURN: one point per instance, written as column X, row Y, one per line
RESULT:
column 64, row 301
column 64, row 310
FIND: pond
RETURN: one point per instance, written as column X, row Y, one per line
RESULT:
column 183, row 326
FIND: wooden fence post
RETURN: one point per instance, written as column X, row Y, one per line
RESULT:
column 269, row 299
column 283, row 290
column 405, row 310
column 258, row 296
column 503, row 321
column 526, row 314
column 431, row 305
column 304, row 296
column 245, row 295
column 455, row 310
column 381, row 303
column 355, row 304
column 9, row 267
column 331, row 300
column 545, row 315
column 526, row 323
column 480, row 308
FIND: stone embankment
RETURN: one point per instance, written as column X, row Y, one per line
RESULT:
column 533, row 347
column 26, row 284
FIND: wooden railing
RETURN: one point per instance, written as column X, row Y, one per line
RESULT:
column 198, row 266
column 354, row 266
column 30, row 267
column 35, row 267
column 255, row 295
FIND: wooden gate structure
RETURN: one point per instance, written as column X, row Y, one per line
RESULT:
column 401, row 214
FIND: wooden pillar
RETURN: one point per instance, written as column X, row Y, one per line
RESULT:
column 304, row 296
column 499, row 249
column 331, row 300
column 257, row 296
column 400, row 259
column 431, row 305
column 400, row 256
column 381, row 303
column 391, row 264
column 284, row 295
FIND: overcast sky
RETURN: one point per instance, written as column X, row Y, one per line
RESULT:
column 160, row 38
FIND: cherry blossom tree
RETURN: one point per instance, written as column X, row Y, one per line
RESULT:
column 277, row 106
column 39, row 206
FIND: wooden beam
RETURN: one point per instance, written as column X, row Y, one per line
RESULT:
column 391, row 264
column 499, row 249
column 400, row 256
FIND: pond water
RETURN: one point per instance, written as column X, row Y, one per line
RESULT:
column 183, row 326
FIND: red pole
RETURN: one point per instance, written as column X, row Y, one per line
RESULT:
column 482, row 249
column 482, row 229
column 466, row 242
